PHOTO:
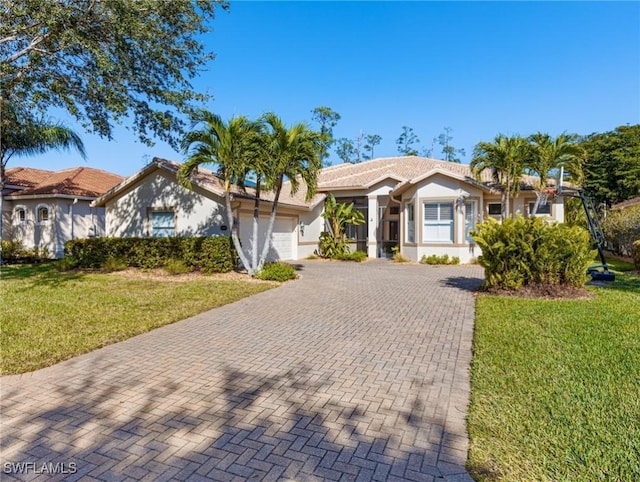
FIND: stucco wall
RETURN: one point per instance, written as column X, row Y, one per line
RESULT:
column 309, row 235
column 66, row 221
column 195, row 214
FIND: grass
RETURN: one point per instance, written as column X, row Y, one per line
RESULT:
column 49, row 316
column 555, row 386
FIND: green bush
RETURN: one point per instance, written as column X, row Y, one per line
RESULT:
column 177, row 266
column 357, row 256
column 435, row 259
column 114, row 264
column 622, row 229
column 13, row 252
column 277, row 271
column 635, row 253
column 210, row 255
column 521, row 252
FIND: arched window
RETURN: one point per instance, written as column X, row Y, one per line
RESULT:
column 20, row 215
column 42, row 214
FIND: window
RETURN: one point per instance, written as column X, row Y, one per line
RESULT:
column 438, row 222
column 20, row 215
column 411, row 223
column 544, row 209
column 42, row 214
column 494, row 209
column 163, row 224
column 470, row 219
column 394, row 210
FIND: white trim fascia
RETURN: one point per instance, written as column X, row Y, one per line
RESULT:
column 47, row 196
column 416, row 180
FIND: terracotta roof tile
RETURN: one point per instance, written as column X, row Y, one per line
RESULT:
column 78, row 181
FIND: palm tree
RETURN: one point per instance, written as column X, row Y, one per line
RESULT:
column 505, row 157
column 549, row 154
column 234, row 148
column 293, row 154
column 22, row 135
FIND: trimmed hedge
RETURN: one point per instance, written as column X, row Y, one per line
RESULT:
column 521, row 252
column 635, row 253
column 209, row 255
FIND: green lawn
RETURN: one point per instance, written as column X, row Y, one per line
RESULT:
column 556, row 386
column 49, row 316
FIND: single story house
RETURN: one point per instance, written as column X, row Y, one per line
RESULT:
column 423, row 206
column 45, row 209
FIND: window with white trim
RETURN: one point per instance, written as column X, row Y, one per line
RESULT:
column 470, row 219
column 42, row 214
column 438, row 222
column 20, row 215
column 162, row 223
column 411, row 223
column 494, row 209
column 543, row 208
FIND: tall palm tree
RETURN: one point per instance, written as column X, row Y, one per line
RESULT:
column 22, row 135
column 293, row 154
column 549, row 154
column 234, row 148
column 505, row 157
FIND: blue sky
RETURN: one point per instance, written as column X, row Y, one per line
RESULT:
column 481, row 68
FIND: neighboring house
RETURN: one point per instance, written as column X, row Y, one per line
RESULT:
column 421, row 205
column 45, row 209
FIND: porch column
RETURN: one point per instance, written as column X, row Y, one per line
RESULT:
column 372, row 232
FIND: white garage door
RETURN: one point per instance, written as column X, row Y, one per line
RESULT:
column 282, row 238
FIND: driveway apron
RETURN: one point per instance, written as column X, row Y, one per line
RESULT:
column 353, row 372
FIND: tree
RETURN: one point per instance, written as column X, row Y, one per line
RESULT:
column 106, row 61
column 505, row 157
column 449, row 152
column 548, row 155
column 327, row 118
column 294, row 154
column 372, row 140
column 346, row 150
column 23, row 134
column 612, row 164
column 333, row 243
column 406, row 141
column 235, row 148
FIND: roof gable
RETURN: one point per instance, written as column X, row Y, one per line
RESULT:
column 78, row 181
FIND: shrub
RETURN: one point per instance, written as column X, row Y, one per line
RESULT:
column 277, row 271
column 521, row 252
column 11, row 250
column 210, row 255
column 176, row 267
column 330, row 247
column 357, row 256
column 114, row 264
column 622, row 228
column 443, row 259
column 635, row 253
column 65, row 264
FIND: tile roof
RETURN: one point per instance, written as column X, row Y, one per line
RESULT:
column 77, row 181
column 405, row 168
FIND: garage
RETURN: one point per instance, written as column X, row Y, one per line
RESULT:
column 282, row 238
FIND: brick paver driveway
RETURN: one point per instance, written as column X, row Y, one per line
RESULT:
column 354, row 372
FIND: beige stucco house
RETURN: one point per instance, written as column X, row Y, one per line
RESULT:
column 45, row 209
column 423, row 206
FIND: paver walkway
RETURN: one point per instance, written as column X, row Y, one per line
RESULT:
column 354, row 372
